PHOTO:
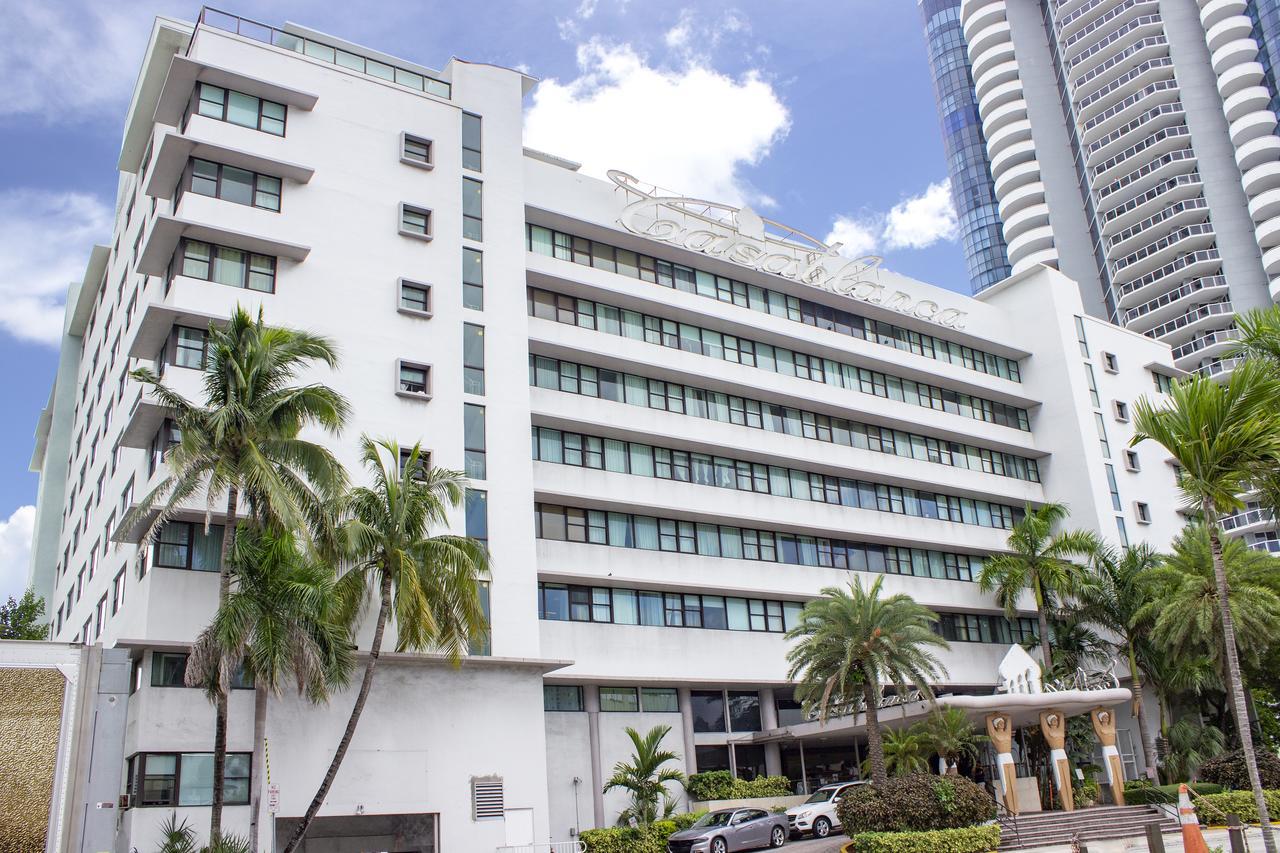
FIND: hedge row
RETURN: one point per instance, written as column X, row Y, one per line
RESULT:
column 720, row 785
column 1141, row 792
column 1213, row 808
column 916, row 803
column 642, row 839
column 968, row 839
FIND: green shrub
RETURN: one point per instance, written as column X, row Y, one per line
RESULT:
column 968, row 839
column 1213, row 808
column 686, row 820
column 720, row 785
column 644, row 839
column 1229, row 771
column 1139, row 792
column 919, row 802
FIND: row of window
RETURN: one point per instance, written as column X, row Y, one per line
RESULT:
column 580, row 250
column 234, row 107
column 169, row 669
column 225, row 265
column 636, row 390
column 186, row 779
column 229, row 183
column 625, row 530
column 553, row 445
column 682, row 336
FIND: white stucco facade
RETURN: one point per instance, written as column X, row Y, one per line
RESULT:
column 594, row 531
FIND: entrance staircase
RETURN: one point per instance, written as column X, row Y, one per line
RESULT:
column 1043, row 829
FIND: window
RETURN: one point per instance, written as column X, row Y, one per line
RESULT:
column 415, row 298
column 1121, row 410
column 238, row 108
column 708, row 711
column 423, row 462
column 235, row 185
column 659, row 700
column 1143, row 512
column 473, row 440
column 168, row 669
column 618, row 699
column 472, row 279
column 472, row 209
column 561, row 697
column 186, row 545
column 225, row 265
column 1163, row 383
column 471, row 142
column 415, row 151
column 1131, row 462
column 117, row 592
column 744, row 711
column 190, row 347
column 415, row 222
column 186, row 779
column 414, row 379
column 477, row 513
column 1109, row 362
column 472, row 358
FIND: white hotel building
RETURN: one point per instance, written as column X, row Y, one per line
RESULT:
column 679, row 427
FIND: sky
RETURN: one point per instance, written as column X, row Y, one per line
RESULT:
column 817, row 113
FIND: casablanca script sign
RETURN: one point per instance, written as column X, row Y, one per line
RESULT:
column 740, row 236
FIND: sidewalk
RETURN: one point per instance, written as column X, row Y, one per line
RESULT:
column 1215, row 838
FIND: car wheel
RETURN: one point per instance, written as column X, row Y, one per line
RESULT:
column 718, row 846
column 778, row 838
column 821, row 828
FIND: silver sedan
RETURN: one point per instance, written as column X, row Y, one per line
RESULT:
column 729, row 830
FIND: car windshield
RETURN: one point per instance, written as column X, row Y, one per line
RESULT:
column 713, row 819
column 821, row 795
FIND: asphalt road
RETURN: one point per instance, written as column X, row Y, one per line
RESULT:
column 813, row 845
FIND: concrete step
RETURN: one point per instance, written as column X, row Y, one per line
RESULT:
column 1023, row 837
column 1044, row 829
column 1066, row 840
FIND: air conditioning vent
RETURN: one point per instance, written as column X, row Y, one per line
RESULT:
column 486, row 797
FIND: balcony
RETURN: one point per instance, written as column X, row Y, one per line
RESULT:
column 1149, row 175
column 1219, row 367
column 1241, row 521
column 167, row 231
column 1255, row 152
column 176, row 149
column 1132, row 56
column 1072, row 21
column 1153, row 145
column 1192, row 320
column 1152, row 255
column 1215, row 340
column 1148, row 203
column 1114, row 20
column 1180, row 213
column 1115, row 116
column 1159, row 68
column 1239, row 77
column 1227, row 30
column 1190, row 265
column 1087, row 58
column 1167, row 304
column 1213, row 11
column 1247, row 100
column 1152, row 120
column 184, row 73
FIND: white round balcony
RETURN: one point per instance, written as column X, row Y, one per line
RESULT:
column 1261, row 178
column 1234, row 53
column 1247, row 100
column 1024, row 221
column 1213, row 11
column 1274, row 286
column 998, row 74
column 1000, row 116
column 1267, row 233
column 1257, row 151
column 1271, row 261
column 989, row 36
column 1234, row 79
column 1031, row 242
column 975, row 16
column 1017, row 176
column 1017, row 199
column 995, row 55
column 1010, row 134
column 1019, row 152
column 1252, row 126
column 1227, row 30
column 1048, row 257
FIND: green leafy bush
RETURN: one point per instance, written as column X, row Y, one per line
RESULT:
column 686, row 820
column 1213, row 808
column 1229, row 771
column 643, row 839
column 968, row 839
column 1139, row 792
column 919, row 802
column 720, row 785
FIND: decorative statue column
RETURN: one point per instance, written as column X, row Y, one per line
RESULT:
column 1053, row 725
column 1000, row 730
column 1104, row 726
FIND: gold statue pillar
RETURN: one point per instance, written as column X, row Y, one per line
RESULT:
column 1104, row 726
column 1000, row 730
column 1053, row 725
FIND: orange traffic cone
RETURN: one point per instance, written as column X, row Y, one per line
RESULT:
column 1192, row 838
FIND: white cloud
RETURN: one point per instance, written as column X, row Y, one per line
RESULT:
column 916, row 222
column 696, row 36
column 922, row 220
column 15, row 551
column 44, row 244
column 689, row 128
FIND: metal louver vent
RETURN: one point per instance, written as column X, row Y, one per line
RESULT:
column 486, row 797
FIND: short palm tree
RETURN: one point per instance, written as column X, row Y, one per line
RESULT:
column 952, row 736
column 851, row 643
column 1043, row 561
column 244, row 438
column 1116, row 602
column 428, row 584
column 1191, row 743
column 645, row 779
column 283, row 618
column 906, row 751
column 1221, row 435
column 1259, row 335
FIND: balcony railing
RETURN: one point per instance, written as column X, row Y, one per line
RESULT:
column 1185, row 206
column 1247, row 518
column 1092, row 27
column 1123, row 80
column 1112, row 38
column 1218, row 336
column 1175, row 132
column 1067, row 20
column 1150, row 195
column 1219, row 366
column 1119, row 132
column 1170, row 239
column 1192, row 316
column 1124, row 56
column 1169, row 269
column 1150, row 169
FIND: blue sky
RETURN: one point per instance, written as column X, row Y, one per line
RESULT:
column 819, row 113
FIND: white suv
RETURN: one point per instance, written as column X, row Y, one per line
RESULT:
column 818, row 813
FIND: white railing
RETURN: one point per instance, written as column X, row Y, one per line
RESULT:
column 546, row 847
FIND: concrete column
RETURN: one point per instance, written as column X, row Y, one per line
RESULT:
column 768, row 721
column 686, row 723
column 1000, row 730
column 1104, row 726
column 1053, row 725
column 591, row 694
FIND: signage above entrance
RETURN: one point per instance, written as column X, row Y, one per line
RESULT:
column 741, row 236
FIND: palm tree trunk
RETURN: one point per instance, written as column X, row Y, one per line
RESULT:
column 1043, row 621
column 220, row 700
column 374, row 650
column 259, row 762
column 1235, row 685
column 1145, row 734
column 875, row 744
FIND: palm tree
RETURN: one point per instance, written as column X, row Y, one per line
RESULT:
column 645, row 779
column 906, row 752
column 1220, row 436
column 1259, row 335
column 282, row 619
column 428, row 584
column 1042, row 561
column 951, row 735
column 1191, row 743
column 1116, row 602
column 1076, row 642
column 853, row 642
column 243, row 438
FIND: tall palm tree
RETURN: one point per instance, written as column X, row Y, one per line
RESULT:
column 1043, row 561
column 283, row 619
column 244, row 438
column 952, row 736
column 1116, row 602
column 1220, row 436
column 851, row 643
column 645, row 779
column 429, row 585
